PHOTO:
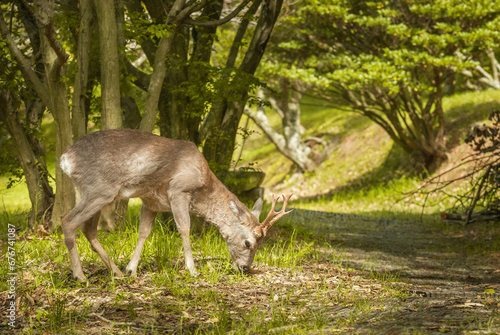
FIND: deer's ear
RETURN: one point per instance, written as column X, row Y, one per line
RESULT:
column 238, row 212
column 257, row 208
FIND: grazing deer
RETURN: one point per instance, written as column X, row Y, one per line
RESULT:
column 168, row 175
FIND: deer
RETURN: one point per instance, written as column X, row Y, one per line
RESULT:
column 167, row 175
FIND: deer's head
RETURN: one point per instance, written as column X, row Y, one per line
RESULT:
column 246, row 237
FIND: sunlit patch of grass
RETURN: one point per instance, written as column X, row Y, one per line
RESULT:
column 15, row 198
column 286, row 253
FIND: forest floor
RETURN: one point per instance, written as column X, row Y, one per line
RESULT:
column 369, row 275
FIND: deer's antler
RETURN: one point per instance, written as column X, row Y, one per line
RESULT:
column 273, row 216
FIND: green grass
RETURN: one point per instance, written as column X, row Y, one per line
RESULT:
column 290, row 284
column 301, row 283
column 15, row 198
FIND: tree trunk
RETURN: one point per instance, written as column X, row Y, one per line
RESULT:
column 219, row 146
column 79, row 119
column 65, row 190
column 52, row 91
column 54, row 61
column 33, row 165
column 159, row 73
column 110, row 67
column 173, row 101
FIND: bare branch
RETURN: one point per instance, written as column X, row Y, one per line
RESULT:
column 226, row 19
column 478, row 194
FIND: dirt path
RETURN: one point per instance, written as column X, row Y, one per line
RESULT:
column 452, row 275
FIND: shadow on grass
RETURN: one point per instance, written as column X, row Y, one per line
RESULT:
column 427, row 251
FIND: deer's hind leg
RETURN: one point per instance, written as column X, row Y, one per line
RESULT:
column 84, row 212
column 89, row 229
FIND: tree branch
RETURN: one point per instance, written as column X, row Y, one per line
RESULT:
column 49, row 32
column 54, row 44
column 188, row 10
column 242, row 28
column 226, row 19
column 478, row 194
column 142, row 79
column 159, row 73
column 24, row 64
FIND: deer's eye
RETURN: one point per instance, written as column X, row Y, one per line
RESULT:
column 247, row 244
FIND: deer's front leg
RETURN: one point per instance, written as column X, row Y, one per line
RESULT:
column 180, row 209
column 145, row 227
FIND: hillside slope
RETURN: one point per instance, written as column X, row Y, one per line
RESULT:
column 364, row 172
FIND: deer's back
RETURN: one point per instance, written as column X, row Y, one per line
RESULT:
column 130, row 160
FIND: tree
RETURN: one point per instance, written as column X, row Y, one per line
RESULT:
column 477, row 198
column 194, row 101
column 110, row 68
column 486, row 70
column 200, row 100
column 22, row 129
column 221, row 123
column 389, row 60
column 289, row 142
column 21, row 112
column 48, row 85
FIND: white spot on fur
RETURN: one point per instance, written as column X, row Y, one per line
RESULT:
column 65, row 165
column 127, row 192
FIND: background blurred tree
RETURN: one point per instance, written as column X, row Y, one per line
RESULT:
column 388, row 60
column 289, row 139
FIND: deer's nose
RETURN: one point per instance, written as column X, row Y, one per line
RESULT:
column 245, row 268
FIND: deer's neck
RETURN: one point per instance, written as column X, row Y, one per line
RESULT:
column 212, row 204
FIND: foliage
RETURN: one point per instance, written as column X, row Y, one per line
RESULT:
column 388, row 60
column 9, row 166
column 155, row 66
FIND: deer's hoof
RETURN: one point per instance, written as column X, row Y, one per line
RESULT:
column 79, row 277
column 118, row 273
column 130, row 271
